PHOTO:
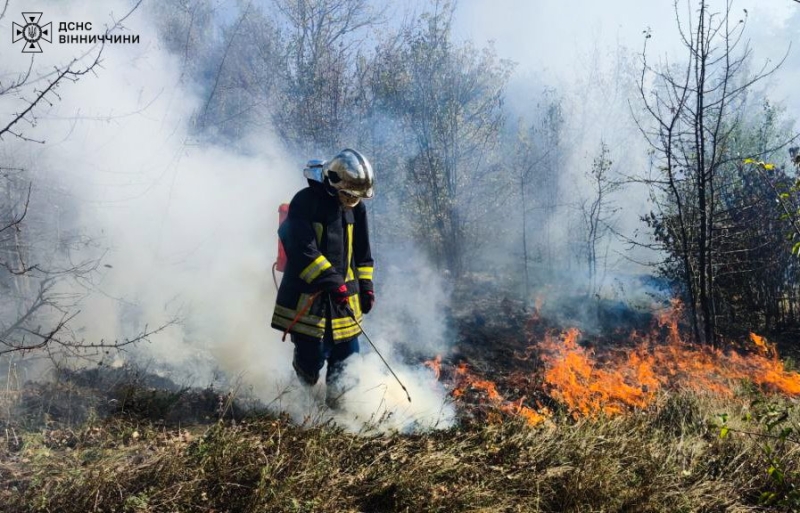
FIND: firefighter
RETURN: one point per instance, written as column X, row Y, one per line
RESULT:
column 328, row 276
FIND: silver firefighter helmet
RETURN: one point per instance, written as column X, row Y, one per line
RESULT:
column 350, row 174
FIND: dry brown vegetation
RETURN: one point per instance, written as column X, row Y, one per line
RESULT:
column 669, row 459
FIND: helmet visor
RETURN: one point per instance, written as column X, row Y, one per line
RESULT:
column 357, row 193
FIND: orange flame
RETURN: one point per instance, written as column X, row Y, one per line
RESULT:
column 762, row 345
column 435, row 365
column 670, row 317
column 613, row 381
column 616, row 383
column 467, row 380
column 574, row 378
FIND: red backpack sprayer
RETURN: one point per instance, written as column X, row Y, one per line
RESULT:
column 312, row 172
column 280, row 263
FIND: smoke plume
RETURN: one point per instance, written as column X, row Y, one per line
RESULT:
column 185, row 228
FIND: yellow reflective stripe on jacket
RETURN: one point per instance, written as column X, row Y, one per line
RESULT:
column 342, row 322
column 306, row 325
column 318, row 231
column 311, row 320
column 346, row 333
column 344, row 328
column 349, row 252
column 355, row 305
column 298, row 327
column 364, row 273
column 346, row 322
column 315, row 268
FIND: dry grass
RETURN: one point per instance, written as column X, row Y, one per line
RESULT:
column 138, row 447
column 670, row 458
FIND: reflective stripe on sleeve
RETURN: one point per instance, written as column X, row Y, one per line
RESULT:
column 314, row 269
column 364, row 273
column 349, row 252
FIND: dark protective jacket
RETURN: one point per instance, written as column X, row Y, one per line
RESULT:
column 326, row 245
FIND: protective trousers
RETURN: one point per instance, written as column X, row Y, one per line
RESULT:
column 311, row 353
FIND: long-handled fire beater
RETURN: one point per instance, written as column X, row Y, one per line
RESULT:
column 353, row 316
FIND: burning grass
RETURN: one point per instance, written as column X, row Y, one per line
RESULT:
column 620, row 381
column 587, row 378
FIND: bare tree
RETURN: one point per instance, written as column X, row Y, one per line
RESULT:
column 694, row 112
column 34, row 312
column 598, row 212
column 323, row 42
column 532, row 187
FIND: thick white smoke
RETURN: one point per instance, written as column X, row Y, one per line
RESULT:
column 186, row 228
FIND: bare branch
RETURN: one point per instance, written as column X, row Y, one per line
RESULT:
column 46, row 338
column 16, row 221
column 69, row 72
column 22, row 80
column 222, row 65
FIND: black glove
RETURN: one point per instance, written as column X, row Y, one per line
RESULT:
column 366, row 295
column 367, row 299
column 339, row 294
